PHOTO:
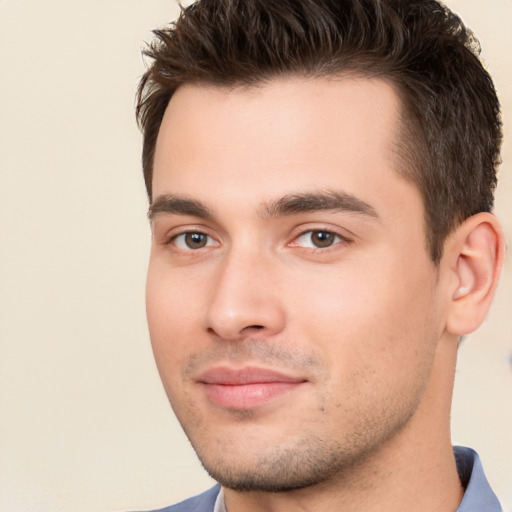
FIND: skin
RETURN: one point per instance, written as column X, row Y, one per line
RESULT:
column 285, row 240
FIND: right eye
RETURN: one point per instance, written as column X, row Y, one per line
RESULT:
column 192, row 241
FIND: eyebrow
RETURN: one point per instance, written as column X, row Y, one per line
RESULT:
column 335, row 201
column 171, row 204
column 291, row 204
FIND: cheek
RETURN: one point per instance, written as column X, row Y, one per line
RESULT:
column 170, row 314
column 167, row 333
column 364, row 315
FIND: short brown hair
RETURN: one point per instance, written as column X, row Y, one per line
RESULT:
column 451, row 122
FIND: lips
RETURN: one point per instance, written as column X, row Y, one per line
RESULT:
column 246, row 388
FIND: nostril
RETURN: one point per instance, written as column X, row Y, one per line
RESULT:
column 246, row 331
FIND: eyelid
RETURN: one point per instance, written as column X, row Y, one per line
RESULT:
column 182, row 245
column 342, row 238
column 170, row 235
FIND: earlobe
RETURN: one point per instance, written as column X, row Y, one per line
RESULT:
column 477, row 251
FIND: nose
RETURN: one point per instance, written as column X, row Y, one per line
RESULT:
column 246, row 299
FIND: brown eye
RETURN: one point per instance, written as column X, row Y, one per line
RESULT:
column 192, row 240
column 195, row 240
column 318, row 239
column 322, row 239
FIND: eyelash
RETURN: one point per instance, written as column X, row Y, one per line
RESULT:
column 337, row 239
column 173, row 240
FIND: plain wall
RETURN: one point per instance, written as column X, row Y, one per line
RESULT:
column 84, row 423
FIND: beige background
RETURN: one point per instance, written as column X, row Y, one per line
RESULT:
column 84, row 424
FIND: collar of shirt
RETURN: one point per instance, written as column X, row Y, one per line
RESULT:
column 219, row 502
column 478, row 495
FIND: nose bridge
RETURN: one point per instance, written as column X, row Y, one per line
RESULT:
column 246, row 295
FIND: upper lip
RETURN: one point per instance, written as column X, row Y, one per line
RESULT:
column 223, row 375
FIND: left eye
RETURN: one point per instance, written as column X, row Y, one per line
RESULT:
column 192, row 241
column 318, row 239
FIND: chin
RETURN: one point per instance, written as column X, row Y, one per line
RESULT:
column 279, row 470
column 278, row 480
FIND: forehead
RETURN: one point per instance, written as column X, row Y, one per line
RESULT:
column 286, row 136
column 284, row 109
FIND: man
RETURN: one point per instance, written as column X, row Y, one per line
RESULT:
column 321, row 177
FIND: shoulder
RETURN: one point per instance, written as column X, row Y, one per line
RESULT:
column 204, row 502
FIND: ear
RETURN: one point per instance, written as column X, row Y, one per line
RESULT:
column 475, row 252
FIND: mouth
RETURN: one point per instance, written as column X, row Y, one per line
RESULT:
column 246, row 388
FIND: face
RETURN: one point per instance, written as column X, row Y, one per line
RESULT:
column 290, row 297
